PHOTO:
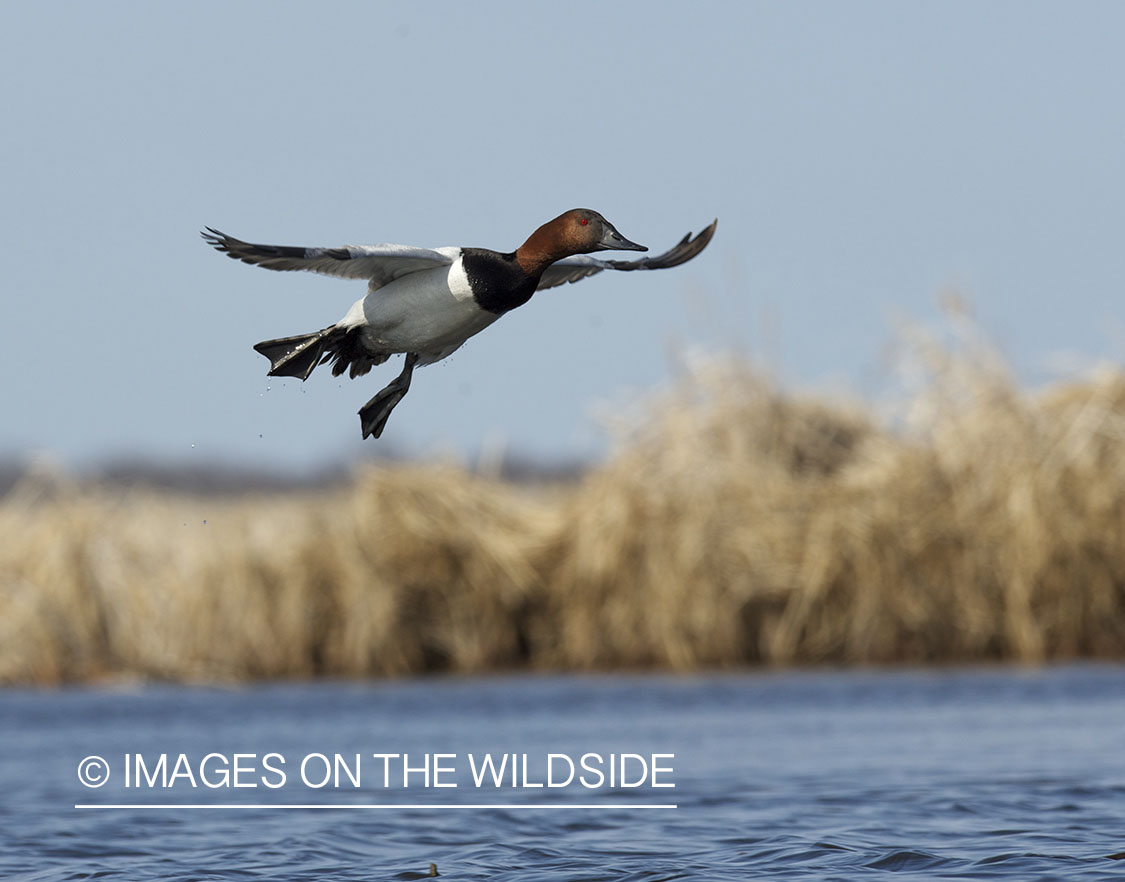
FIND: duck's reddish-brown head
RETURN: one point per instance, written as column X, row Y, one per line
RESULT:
column 578, row 231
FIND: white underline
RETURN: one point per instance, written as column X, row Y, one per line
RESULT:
column 374, row 805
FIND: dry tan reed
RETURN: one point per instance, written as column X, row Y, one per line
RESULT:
column 737, row 524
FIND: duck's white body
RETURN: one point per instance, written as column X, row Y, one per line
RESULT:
column 431, row 312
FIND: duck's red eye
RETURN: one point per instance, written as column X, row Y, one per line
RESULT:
column 583, row 221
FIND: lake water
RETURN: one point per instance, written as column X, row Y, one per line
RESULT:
column 934, row 774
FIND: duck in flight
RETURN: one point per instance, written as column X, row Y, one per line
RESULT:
column 426, row 302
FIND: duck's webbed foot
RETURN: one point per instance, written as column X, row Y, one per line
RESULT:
column 373, row 415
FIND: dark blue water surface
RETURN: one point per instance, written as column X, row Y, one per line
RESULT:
column 938, row 774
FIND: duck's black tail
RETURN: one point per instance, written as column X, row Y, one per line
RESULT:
column 298, row 356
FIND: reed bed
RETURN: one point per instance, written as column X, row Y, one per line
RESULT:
column 735, row 524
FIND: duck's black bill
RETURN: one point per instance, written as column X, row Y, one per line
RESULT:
column 613, row 241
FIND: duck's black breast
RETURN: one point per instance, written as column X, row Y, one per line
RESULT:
column 498, row 281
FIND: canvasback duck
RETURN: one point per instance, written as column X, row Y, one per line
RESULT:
column 427, row 302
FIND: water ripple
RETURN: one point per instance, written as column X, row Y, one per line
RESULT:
column 916, row 774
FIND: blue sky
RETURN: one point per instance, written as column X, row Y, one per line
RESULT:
column 861, row 158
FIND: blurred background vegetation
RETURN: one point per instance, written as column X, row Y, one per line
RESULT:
column 736, row 523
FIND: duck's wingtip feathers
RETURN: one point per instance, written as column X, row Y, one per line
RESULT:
column 704, row 236
column 217, row 239
column 683, row 251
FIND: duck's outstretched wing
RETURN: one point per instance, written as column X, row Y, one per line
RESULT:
column 572, row 269
column 380, row 264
